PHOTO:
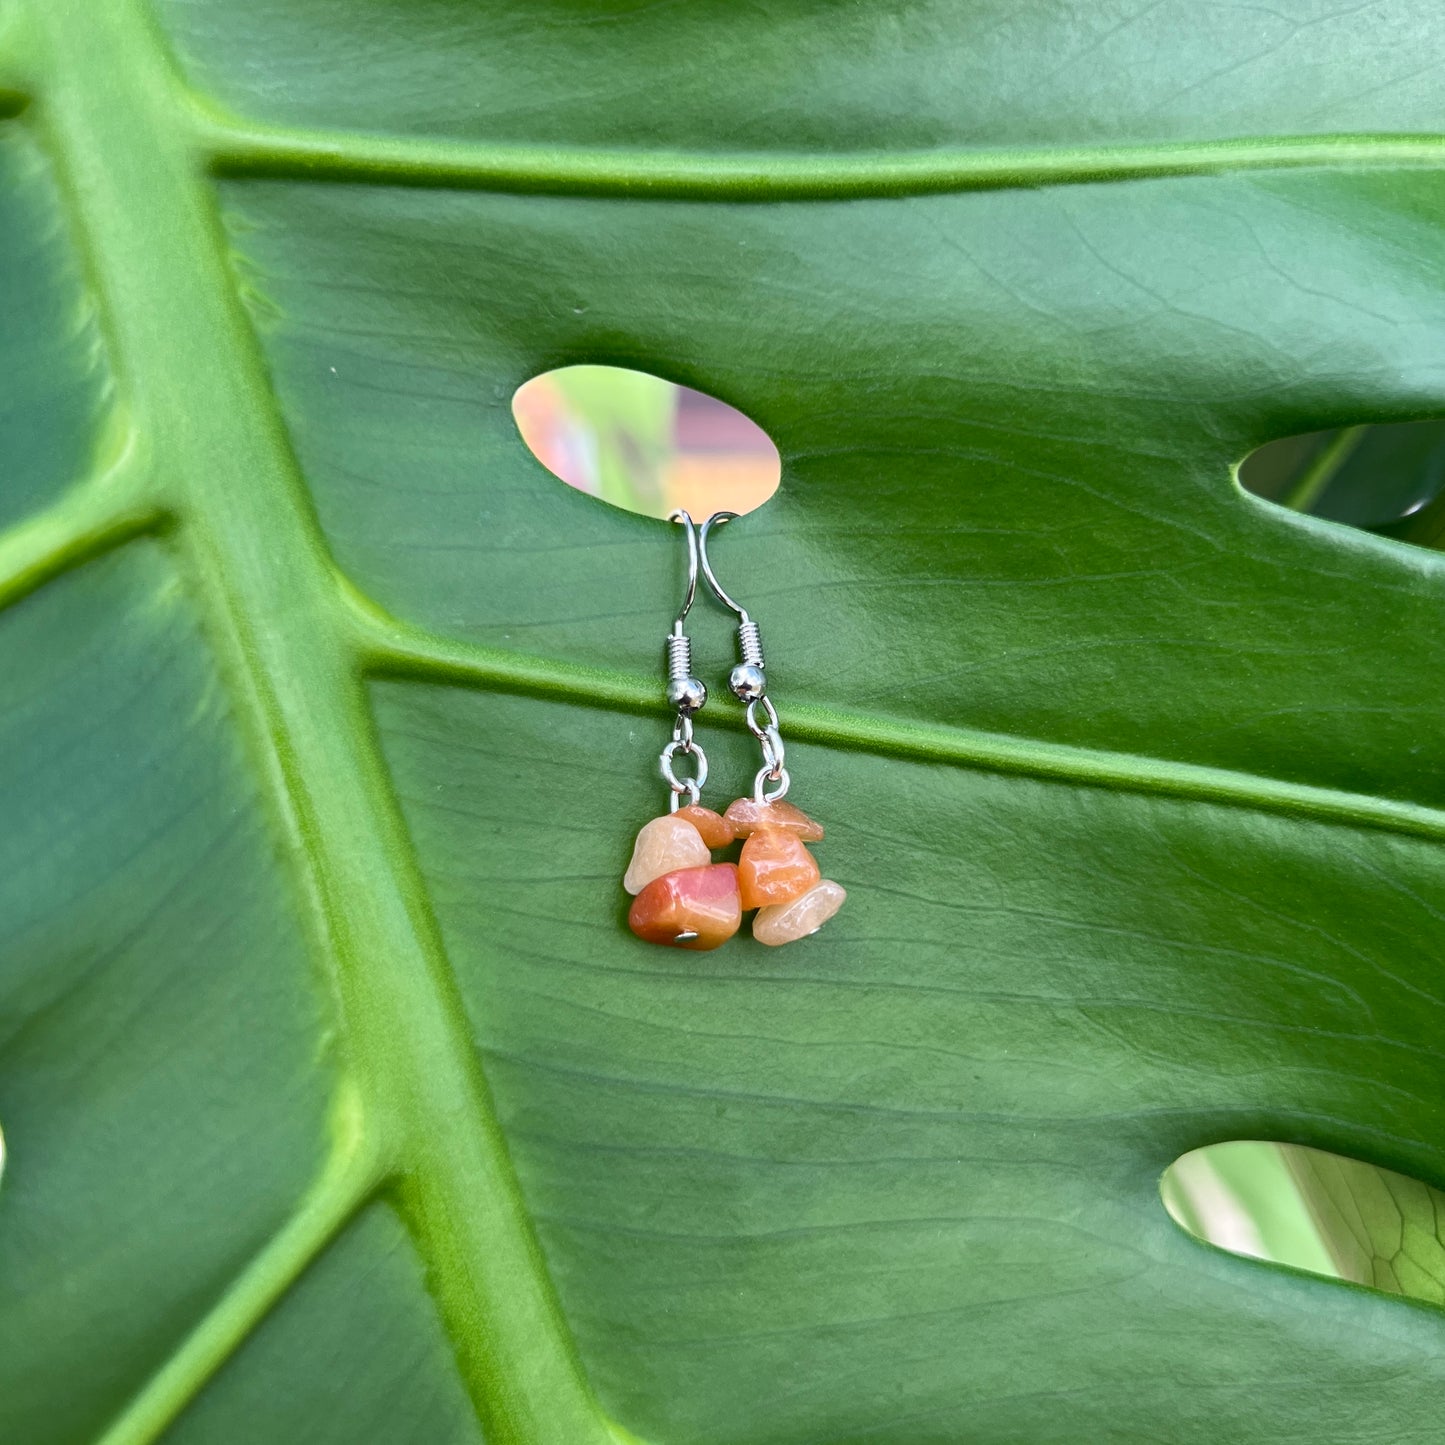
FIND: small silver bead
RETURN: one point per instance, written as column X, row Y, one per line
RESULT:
column 747, row 682
column 687, row 694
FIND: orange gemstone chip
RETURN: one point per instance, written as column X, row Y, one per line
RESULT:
column 775, row 867
column 790, row 921
column 663, row 846
column 716, row 831
column 691, row 908
column 747, row 816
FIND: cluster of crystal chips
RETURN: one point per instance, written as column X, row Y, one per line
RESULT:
column 685, row 900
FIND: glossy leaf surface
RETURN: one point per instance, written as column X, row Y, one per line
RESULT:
column 340, row 1105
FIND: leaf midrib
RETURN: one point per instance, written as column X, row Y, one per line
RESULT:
column 207, row 436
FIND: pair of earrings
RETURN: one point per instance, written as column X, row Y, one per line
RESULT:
column 681, row 897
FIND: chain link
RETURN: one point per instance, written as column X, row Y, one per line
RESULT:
column 760, row 785
column 682, row 743
column 770, row 739
column 768, row 736
column 757, row 729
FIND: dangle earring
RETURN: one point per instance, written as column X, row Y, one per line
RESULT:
column 777, row 874
column 681, row 897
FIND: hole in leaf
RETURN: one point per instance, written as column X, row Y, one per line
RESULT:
column 1316, row 1211
column 645, row 444
column 1387, row 479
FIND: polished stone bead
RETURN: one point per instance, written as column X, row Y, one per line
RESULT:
column 746, row 816
column 775, row 867
column 691, row 908
column 663, row 846
column 716, row 831
column 786, row 921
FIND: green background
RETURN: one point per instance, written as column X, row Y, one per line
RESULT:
column 340, row 1105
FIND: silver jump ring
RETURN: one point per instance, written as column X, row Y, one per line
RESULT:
column 691, row 786
column 766, row 776
column 773, row 751
column 758, row 730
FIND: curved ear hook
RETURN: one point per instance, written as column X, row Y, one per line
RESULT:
column 718, row 517
column 685, row 520
column 748, row 681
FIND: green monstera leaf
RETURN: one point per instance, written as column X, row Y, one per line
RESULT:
column 340, row 1105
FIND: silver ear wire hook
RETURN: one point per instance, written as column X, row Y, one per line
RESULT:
column 684, row 519
column 688, row 694
column 707, row 571
column 748, row 681
column 684, row 691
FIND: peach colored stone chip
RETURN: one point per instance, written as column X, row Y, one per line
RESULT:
column 775, row 867
column 716, row 831
column 663, row 846
column 747, row 816
column 692, row 908
column 784, row 922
